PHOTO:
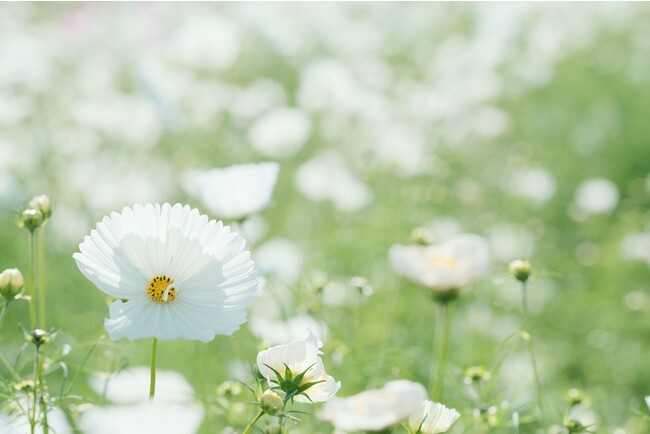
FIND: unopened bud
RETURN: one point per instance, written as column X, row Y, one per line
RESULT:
column 229, row 388
column 573, row 426
column 43, row 204
column 271, row 402
column 474, row 374
column 24, row 386
column 31, row 219
column 575, row 396
column 520, row 270
column 11, row 283
column 38, row 337
column 422, row 236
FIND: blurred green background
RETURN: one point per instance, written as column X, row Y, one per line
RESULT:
column 482, row 118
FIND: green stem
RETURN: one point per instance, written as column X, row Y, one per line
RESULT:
column 32, row 281
column 32, row 419
column 531, row 348
column 43, row 387
column 41, row 272
column 444, row 330
column 152, row 381
column 3, row 311
column 250, row 426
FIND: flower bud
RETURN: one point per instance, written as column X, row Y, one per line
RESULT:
column 31, row 219
column 229, row 388
column 43, row 204
column 520, row 270
column 38, row 337
column 11, row 283
column 573, row 426
column 475, row 374
column 422, row 236
column 25, row 386
column 575, row 396
column 274, row 429
column 271, row 402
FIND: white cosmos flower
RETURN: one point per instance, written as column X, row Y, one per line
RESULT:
column 173, row 410
column 299, row 356
column 19, row 423
column 375, row 409
column 176, row 273
column 445, row 267
column 236, row 191
column 434, row 418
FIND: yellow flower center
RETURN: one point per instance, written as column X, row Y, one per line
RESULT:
column 159, row 289
column 443, row 261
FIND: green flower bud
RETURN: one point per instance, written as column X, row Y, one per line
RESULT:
column 24, row 386
column 573, row 426
column 271, row 402
column 422, row 236
column 38, row 337
column 475, row 374
column 575, row 396
column 11, row 283
column 43, row 204
column 32, row 219
column 229, row 388
column 520, row 270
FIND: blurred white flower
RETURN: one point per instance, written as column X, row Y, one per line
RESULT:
column 236, row 191
column 205, row 40
column 509, row 241
column 434, row 418
column 326, row 178
column 260, row 95
column 272, row 331
column 375, row 409
column 596, row 196
column 281, row 132
column 130, row 386
column 182, row 275
column 171, row 412
column 444, row 267
column 400, row 148
column 536, row 184
column 19, row 423
column 280, row 258
column 307, row 380
column 637, row 246
column 647, row 401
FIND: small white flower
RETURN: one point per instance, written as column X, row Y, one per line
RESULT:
column 172, row 412
column 445, row 267
column 435, row 418
column 596, row 196
column 236, row 191
column 281, row 132
column 299, row 357
column 176, row 273
column 375, row 409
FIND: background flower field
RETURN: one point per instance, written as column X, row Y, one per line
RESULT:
column 524, row 123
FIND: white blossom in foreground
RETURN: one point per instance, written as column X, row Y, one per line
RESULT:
column 443, row 268
column 172, row 412
column 236, row 191
column 434, row 418
column 176, row 273
column 375, row 409
column 297, row 369
column 19, row 423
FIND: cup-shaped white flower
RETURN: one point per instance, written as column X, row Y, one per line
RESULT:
column 444, row 268
column 236, row 191
column 176, row 273
column 376, row 409
column 297, row 369
column 433, row 418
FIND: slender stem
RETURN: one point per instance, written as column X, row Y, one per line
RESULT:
column 32, row 281
column 250, row 426
column 32, row 419
column 152, row 381
column 443, row 343
column 43, row 387
column 3, row 311
column 531, row 348
column 41, row 272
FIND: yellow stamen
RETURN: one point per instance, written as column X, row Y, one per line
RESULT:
column 443, row 261
column 160, row 289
